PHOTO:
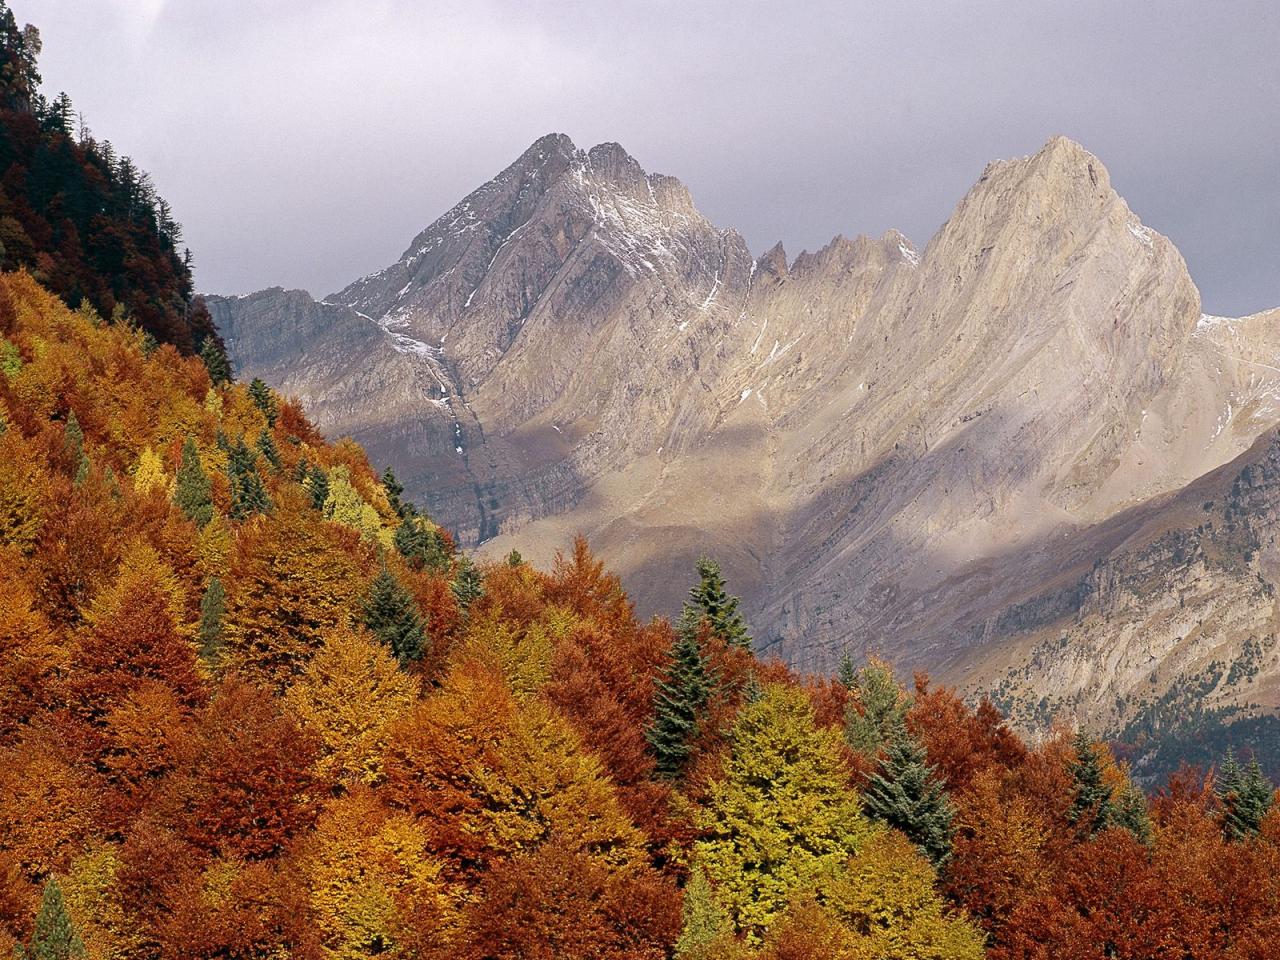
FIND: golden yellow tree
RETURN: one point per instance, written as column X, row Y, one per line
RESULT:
column 493, row 776
column 885, row 897
column 373, row 881
column 782, row 817
column 149, row 474
column 291, row 582
column 348, row 696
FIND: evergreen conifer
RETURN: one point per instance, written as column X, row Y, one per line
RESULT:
column 906, row 794
column 709, row 601
column 213, row 607
column 317, row 484
column 1131, row 814
column 55, row 937
column 394, row 490
column 883, row 707
column 468, row 583
column 392, row 617
column 1246, row 796
column 678, row 704
column 264, row 400
column 248, row 494
column 192, row 491
column 267, row 447
column 421, row 544
column 1093, row 808
column 215, row 361
column 847, row 673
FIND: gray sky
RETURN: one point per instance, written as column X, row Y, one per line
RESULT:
column 304, row 142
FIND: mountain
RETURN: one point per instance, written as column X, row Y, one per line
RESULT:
column 889, row 450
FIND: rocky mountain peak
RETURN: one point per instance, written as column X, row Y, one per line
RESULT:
column 773, row 262
column 549, row 145
column 611, row 162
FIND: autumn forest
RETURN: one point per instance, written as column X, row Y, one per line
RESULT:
column 256, row 704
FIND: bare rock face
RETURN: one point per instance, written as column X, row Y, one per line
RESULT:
column 914, row 452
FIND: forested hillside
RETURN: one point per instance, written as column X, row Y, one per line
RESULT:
column 83, row 219
column 253, row 704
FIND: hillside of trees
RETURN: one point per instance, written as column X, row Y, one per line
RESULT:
column 86, row 221
column 254, row 704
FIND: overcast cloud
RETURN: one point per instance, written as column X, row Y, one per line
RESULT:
column 304, row 142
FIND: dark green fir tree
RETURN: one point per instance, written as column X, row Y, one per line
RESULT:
column 264, row 400
column 213, row 608
column 394, row 491
column 709, row 601
column 248, row 493
column 1130, row 813
column 1092, row 806
column 55, row 937
column 267, row 447
column 215, row 361
column 317, row 484
column 1246, row 797
column 392, row 617
column 881, row 707
column 421, row 543
column 847, row 673
column 468, row 583
column 906, row 794
column 192, row 491
column 678, row 705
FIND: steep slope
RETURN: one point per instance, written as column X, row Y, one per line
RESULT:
column 888, row 449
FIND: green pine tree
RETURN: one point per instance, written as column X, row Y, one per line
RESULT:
column 704, row 920
column 248, row 493
column 394, row 490
column 55, row 937
column 847, row 673
column 75, row 445
column 1092, row 808
column 317, row 484
column 468, row 583
column 1246, row 797
column 709, row 601
column 883, row 708
column 215, row 361
column 1258, row 796
column 192, row 491
column 213, row 607
column 906, row 794
column 514, row 559
column 421, row 543
column 1131, row 814
column 678, row 704
column 264, row 400
column 267, row 447
column 392, row 617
